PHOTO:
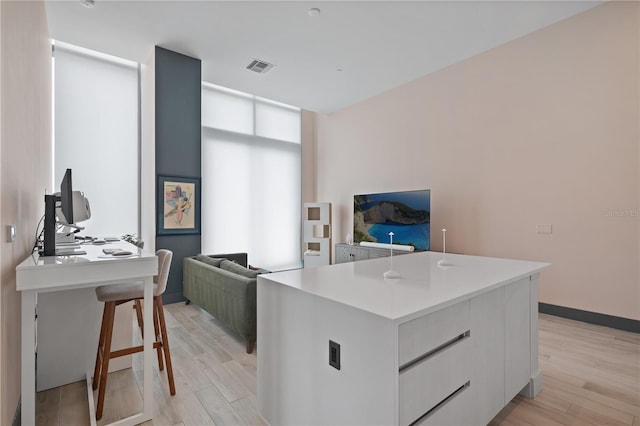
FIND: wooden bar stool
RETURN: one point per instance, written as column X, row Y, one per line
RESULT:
column 114, row 295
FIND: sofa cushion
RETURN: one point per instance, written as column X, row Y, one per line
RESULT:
column 238, row 269
column 213, row 261
column 259, row 270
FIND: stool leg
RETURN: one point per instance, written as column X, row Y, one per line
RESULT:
column 157, row 335
column 110, row 309
column 250, row 345
column 157, row 301
column 138, row 307
column 96, row 370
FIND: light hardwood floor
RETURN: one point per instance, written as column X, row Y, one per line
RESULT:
column 591, row 377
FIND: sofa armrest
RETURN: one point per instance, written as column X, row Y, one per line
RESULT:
column 229, row 297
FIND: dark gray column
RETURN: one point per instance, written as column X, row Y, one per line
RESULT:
column 178, row 144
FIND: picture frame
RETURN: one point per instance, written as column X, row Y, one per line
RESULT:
column 178, row 205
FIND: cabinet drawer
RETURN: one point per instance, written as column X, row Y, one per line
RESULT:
column 361, row 254
column 456, row 410
column 351, row 253
column 378, row 253
column 421, row 335
column 428, row 382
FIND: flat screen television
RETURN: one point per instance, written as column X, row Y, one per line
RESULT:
column 407, row 214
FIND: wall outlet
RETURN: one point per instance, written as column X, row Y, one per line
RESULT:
column 11, row 233
column 334, row 354
column 543, row 229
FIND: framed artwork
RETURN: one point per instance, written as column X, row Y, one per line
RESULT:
column 178, row 205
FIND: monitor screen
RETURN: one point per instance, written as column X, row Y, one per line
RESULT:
column 66, row 198
column 407, row 214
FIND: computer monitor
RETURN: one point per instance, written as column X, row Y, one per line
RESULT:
column 66, row 208
column 73, row 206
column 66, row 197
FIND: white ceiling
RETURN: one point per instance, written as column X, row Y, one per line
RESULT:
column 353, row 50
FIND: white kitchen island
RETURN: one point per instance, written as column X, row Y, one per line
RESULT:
column 440, row 345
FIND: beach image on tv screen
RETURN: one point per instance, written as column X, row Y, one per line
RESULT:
column 406, row 214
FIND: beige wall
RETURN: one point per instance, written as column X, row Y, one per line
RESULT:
column 542, row 130
column 25, row 167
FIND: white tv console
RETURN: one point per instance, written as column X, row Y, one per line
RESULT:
column 440, row 345
column 355, row 252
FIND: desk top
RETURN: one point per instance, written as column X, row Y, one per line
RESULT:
column 53, row 273
column 423, row 286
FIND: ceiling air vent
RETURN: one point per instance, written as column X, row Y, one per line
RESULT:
column 261, row 67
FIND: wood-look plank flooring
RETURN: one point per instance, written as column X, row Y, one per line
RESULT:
column 591, row 376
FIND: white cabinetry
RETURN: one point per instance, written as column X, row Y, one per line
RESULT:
column 434, row 357
column 517, row 337
column 436, row 347
column 487, row 346
column 485, row 367
column 353, row 253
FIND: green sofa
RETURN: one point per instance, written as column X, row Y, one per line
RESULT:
column 223, row 286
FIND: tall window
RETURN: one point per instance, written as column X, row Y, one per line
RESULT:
column 96, row 112
column 250, row 177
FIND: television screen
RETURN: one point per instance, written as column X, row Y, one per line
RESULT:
column 407, row 214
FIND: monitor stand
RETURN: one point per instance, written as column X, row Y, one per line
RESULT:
column 49, row 245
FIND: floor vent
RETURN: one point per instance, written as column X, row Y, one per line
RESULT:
column 261, row 67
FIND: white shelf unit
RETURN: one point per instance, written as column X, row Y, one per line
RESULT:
column 317, row 234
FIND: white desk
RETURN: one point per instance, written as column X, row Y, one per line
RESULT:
column 440, row 345
column 47, row 274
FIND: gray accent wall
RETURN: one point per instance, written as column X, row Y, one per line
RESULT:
column 178, row 144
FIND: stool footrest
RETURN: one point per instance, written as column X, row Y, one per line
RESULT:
column 133, row 350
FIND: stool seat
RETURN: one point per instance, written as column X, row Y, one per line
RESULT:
column 118, row 292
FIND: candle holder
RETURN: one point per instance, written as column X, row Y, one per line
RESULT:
column 443, row 262
column 391, row 274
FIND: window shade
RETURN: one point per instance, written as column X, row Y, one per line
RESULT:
column 251, row 183
column 96, row 135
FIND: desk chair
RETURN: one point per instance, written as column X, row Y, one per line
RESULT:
column 114, row 295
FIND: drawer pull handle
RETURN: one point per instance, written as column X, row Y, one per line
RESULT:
column 443, row 402
column 435, row 351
